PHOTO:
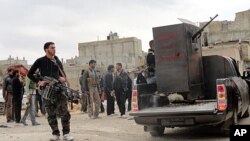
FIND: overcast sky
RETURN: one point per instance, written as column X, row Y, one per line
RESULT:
column 25, row 25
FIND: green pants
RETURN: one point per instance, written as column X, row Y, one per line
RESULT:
column 57, row 107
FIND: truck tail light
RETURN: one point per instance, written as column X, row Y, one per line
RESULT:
column 135, row 101
column 221, row 97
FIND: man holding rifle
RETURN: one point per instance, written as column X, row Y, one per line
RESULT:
column 49, row 65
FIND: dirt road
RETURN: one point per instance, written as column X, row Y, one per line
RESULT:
column 110, row 128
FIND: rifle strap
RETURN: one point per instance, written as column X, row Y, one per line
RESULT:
column 61, row 71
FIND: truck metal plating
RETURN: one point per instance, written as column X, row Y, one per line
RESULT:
column 211, row 88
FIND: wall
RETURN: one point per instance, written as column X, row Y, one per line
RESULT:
column 224, row 31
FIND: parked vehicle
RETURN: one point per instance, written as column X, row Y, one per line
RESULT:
column 207, row 90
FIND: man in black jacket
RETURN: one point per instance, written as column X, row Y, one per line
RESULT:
column 151, row 59
column 120, row 87
column 17, row 87
column 50, row 65
column 108, row 88
column 129, row 92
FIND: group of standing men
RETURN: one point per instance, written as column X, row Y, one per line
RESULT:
column 116, row 86
column 14, row 86
column 13, row 94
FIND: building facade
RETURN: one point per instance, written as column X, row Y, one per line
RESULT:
column 229, row 38
column 127, row 51
column 225, row 31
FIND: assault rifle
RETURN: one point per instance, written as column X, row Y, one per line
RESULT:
column 53, row 83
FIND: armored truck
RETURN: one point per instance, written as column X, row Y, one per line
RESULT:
column 212, row 90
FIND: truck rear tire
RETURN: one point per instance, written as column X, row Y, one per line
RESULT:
column 232, row 121
column 158, row 131
column 235, row 117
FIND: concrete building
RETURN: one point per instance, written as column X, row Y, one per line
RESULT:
column 11, row 61
column 127, row 51
column 229, row 38
column 225, row 31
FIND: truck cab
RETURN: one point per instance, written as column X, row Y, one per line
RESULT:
column 207, row 90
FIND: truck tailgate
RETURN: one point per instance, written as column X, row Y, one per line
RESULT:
column 179, row 109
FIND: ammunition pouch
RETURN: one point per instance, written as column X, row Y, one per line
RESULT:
column 47, row 92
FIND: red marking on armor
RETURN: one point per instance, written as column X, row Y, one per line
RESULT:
column 167, row 36
column 168, row 46
column 173, row 57
column 195, row 58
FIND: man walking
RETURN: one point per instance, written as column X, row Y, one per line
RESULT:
column 120, row 87
column 56, row 106
column 30, row 92
column 108, row 89
column 39, row 104
column 91, row 87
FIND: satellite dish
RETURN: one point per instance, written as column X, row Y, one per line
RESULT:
column 187, row 21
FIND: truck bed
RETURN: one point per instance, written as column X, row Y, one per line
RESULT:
column 180, row 115
column 179, row 109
